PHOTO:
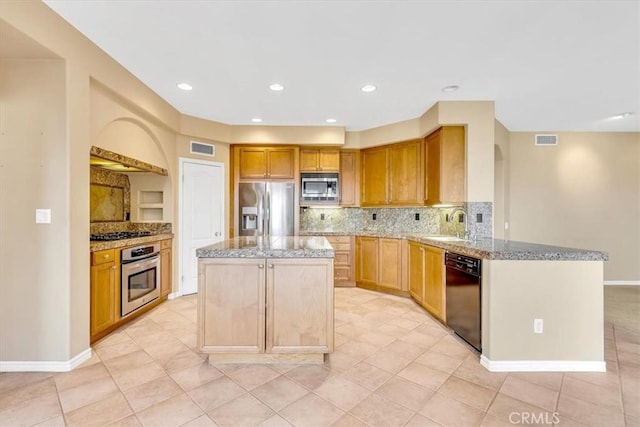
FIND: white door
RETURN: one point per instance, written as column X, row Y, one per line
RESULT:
column 201, row 215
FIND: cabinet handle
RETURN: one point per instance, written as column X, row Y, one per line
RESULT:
column 421, row 249
column 113, row 267
column 271, row 266
column 260, row 265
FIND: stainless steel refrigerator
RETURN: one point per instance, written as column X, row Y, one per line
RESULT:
column 266, row 209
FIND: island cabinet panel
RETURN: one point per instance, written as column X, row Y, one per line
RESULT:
column 319, row 160
column 416, row 271
column 349, row 178
column 445, row 163
column 104, row 295
column 232, row 303
column 266, row 162
column 299, row 305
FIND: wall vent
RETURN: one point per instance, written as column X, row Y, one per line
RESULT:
column 203, row 149
column 546, row 139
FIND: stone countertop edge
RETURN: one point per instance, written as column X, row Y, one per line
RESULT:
column 491, row 249
column 269, row 247
column 115, row 244
column 264, row 253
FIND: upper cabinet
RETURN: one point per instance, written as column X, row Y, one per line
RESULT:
column 319, row 160
column 349, row 178
column 393, row 174
column 266, row 162
column 445, row 161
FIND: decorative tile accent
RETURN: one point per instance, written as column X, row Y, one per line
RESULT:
column 108, row 178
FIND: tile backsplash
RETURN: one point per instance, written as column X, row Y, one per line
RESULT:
column 427, row 220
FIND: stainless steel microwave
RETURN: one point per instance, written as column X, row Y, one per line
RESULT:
column 319, row 188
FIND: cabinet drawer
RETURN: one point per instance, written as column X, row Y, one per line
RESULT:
column 342, row 258
column 100, row 257
column 341, row 246
column 338, row 239
column 342, row 273
column 165, row 244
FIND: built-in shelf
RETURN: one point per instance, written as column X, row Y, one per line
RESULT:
column 150, row 205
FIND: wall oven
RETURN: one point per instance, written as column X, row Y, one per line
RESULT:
column 140, row 276
column 319, row 188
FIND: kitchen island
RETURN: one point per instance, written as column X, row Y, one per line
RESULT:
column 266, row 300
column 522, row 282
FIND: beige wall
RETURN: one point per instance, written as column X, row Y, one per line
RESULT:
column 34, row 165
column 583, row 193
column 500, row 181
column 566, row 295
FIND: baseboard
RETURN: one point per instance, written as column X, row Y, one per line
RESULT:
column 46, row 366
column 622, row 282
column 174, row 295
column 543, row 365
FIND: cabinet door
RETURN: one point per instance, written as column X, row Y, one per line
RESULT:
column 232, row 298
column 374, row 177
column 104, row 297
column 416, row 271
column 432, row 185
column 349, row 178
column 165, row 272
column 434, row 294
column 280, row 163
column 390, row 263
column 367, row 260
column 329, row 160
column 308, row 160
column 452, row 162
column 405, row 173
column 299, row 305
column 252, row 163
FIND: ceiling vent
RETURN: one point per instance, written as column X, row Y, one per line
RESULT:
column 546, row 139
column 203, row 149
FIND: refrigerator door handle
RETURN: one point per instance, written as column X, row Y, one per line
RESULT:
column 260, row 216
column 267, row 215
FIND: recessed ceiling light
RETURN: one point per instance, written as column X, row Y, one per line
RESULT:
column 331, row 120
column 276, row 87
column 368, row 88
column 184, row 86
column 256, row 120
column 450, row 88
column 623, row 115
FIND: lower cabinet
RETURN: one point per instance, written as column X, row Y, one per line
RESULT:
column 275, row 305
column 165, row 267
column 104, row 293
column 379, row 264
column 343, row 266
column 426, row 278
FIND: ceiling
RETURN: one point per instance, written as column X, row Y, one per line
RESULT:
column 549, row 66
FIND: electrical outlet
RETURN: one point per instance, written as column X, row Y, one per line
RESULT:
column 322, row 216
column 506, row 225
column 479, row 218
column 43, row 216
column 374, row 216
column 537, row 326
column 417, row 217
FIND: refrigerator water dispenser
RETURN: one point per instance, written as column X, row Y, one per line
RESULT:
column 249, row 218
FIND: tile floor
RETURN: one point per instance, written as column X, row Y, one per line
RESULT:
column 393, row 366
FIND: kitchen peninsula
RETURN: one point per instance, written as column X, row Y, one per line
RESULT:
column 266, row 299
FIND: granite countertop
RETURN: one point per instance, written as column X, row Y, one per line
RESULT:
column 493, row 249
column 114, row 244
column 269, row 247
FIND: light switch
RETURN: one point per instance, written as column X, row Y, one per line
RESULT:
column 43, row 216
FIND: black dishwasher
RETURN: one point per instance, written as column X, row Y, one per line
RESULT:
column 463, row 288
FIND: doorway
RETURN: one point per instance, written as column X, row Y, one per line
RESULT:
column 201, row 213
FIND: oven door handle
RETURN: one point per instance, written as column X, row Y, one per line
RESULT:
column 143, row 265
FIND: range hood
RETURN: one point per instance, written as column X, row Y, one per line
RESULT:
column 109, row 160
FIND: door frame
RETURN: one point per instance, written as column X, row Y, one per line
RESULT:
column 181, row 162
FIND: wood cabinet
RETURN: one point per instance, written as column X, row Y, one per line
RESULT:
column 393, row 174
column 266, row 162
column 319, row 160
column 426, row 278
column 379, row 264
column 343, row 264
column 445, row 160
column 349, row 178
column 104, row 293
column 165, row 267
column 265, row 306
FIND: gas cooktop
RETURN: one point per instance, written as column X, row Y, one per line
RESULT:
column 119, row 235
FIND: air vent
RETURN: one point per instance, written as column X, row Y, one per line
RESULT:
column 546, row 139
column 202, row 148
